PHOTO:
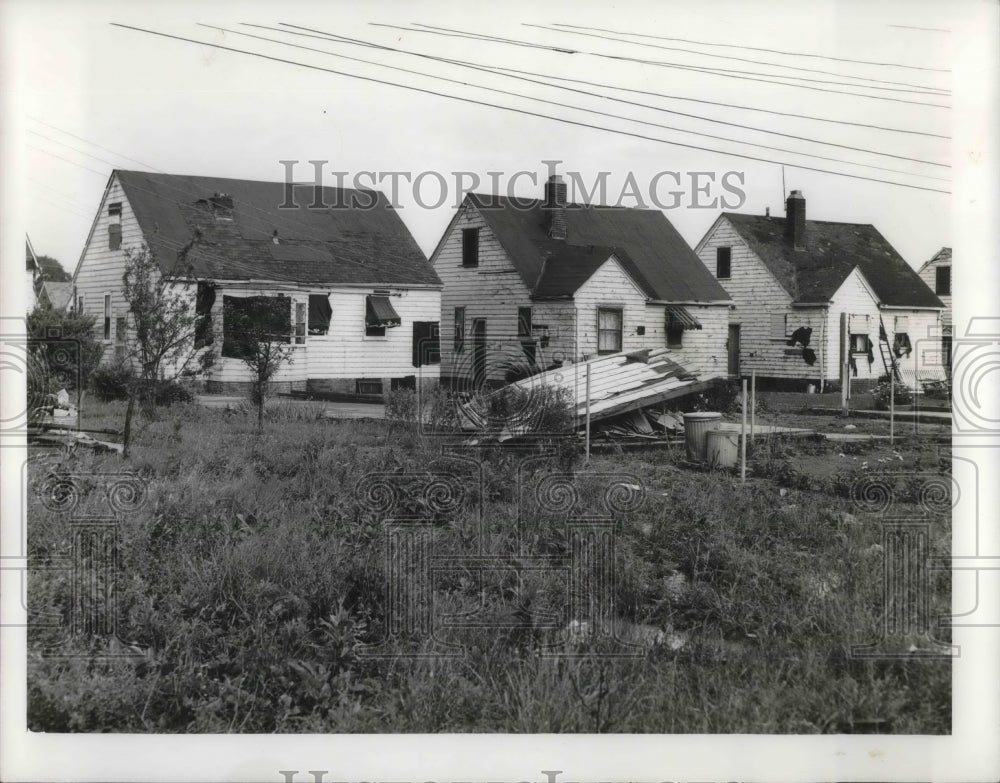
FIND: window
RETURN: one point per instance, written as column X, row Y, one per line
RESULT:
column 459, row 329
column 107, row 317
column 942, row 281
column 723, row 262
column 426, row 343
column 204, row 301
column 320, row 314
column 860, row 343
column 379, row 315
column 779, row 326
column 114, row 226
column 470, row 247
column 901, row 345
column 524, row 322
column 300, row 323
column 369, row 386
column 79, row 305
column 675, row 331
column 120, row 327
column 247, row 320
column 609, row 330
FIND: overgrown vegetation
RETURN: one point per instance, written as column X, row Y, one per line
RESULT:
column 883, row 391
column 251, row 589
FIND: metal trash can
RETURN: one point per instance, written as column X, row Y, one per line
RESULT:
column 722, row 448
column 696, row 428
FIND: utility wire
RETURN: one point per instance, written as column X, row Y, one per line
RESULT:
column 493, row 70
column 659, row 63
column 919, row 89
column 762, row 49
column 524, row 112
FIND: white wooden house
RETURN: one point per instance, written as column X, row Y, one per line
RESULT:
column 937, row 274
column 792, row 278
column 359, row 294
column 531, row 284
column 33, row 275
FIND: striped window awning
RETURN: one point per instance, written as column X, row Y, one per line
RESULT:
column 680, row 318
column 380, row 312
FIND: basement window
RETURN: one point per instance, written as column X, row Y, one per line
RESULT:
column 470, row 247
column 369, row 386
column 723, row 262
column 609, row 330
column 114, row 226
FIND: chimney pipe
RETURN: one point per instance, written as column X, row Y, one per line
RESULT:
column 554, row 207
column 795, row 220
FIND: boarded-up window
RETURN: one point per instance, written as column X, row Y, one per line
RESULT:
column 459, row 329
column 723, row 262
column 248, row 320
column 426, row 343
column 114, row 226
column 902, row 323
column 470, row 247
column 204, row 301
column 320, row 313
column 779, row 326
column 609, row 330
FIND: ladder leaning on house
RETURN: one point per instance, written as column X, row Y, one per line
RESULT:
column 889, row 360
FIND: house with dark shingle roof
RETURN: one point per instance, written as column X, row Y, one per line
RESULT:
column 792, row 279
column 936, row 272
column 530, row 284
column 358, row 298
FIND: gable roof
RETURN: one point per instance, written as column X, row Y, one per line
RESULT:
column 30, row 262
column 360, row 239
column 942, row 256
column 832, row 251
column 649, row 248
column 58, row 293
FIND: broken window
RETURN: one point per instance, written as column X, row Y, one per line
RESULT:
column 942, row 281
column 675, row 331
column 459, row 329
column 320, row 313
column 300, row 323
column 426, row 343
column 609, row 330
column 723, row 262
column 379, row 315
column 114, row 226
column 470, row 247
column 524, row 322
column 248, row 320
column 204, row 301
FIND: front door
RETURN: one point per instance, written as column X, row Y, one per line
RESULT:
column 478, row 352
column 734, row 350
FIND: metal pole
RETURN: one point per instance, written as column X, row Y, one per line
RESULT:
column 753, row 402
column 892, row 406
column 587, row 415
column 845, row 366
column 743, row 437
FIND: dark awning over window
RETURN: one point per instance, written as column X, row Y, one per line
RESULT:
column 380, row 312
column 681, row 318
column 320, row 313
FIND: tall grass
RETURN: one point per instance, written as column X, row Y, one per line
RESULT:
column 252, row 588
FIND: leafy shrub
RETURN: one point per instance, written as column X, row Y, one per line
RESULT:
column 111, row 382
column 882, row 390
column 400, row 405
column 170, row 392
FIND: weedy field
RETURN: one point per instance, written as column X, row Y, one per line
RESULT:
column 250, row 588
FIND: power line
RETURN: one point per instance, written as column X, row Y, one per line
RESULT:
column 763, row 49
column 519, row 111
column 659, row 63
column 93, row 144
column 74, row 163
column 492, row 70
column 919, row 89
column 925, row 29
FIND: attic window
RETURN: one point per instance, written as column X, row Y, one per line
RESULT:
column 723, row 262
column 470, row 247
column 942, row 281
column 114, row 226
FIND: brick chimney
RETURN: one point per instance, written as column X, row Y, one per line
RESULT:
column 222, row 206
column 554, row 207
column 795, row 220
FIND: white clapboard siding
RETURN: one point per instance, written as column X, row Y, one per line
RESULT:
column 609, row 287
column 929, row 275
column 100, row 269
column 493, row 290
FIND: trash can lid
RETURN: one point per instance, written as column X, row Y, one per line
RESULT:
column 702, row 415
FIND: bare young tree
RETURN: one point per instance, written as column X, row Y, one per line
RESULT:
column 259, row 336
column 160, row 345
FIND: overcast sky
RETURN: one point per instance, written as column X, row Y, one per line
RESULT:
column 91, row 97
